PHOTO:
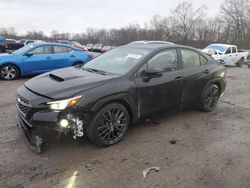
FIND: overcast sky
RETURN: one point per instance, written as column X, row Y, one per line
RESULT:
column 77, row 15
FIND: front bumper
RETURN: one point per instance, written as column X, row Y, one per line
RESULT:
column 35, row 141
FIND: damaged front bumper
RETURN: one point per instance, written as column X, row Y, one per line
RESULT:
column 35, row 141
column 42, row 125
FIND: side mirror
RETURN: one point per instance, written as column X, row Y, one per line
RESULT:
column 29, row 54
column 151, row 73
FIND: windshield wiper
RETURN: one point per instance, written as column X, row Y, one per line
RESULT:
column 96, row 71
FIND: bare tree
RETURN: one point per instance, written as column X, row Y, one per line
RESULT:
column 184, row 19
column 236, row 14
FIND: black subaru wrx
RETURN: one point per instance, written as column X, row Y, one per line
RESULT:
column 121, row 87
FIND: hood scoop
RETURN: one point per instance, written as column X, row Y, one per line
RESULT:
column 57, row 78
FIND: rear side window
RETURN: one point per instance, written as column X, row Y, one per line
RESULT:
column 60, row 49
column 203, row 60
column 228, row 51
column 165, row 60
column 190, row 58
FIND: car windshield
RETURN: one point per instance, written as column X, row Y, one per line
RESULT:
column 219, row 48
column 23, row 49
column 118, row 61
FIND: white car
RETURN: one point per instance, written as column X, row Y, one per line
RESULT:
column 226, row 54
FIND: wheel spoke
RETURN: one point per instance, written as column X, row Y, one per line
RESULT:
column 120, row 116
column 117, row 113
column 103, row 132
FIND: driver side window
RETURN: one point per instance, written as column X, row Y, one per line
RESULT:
column 228, row 51
column 42, row 50
column 165, row 60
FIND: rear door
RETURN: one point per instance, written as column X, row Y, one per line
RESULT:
column 63, row 56
column 39, row 61
column 196, row 70
column 163, row 94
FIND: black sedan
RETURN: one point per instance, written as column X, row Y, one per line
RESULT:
column 121, row 87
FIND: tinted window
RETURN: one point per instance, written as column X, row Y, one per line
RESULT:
column 190, row 58
column 233, row 50
column 42, row 50
column 60, row 49
column 203, row 60
column 228, row 51
column 165, row 60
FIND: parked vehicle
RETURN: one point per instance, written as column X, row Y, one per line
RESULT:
column 97, row 47
column 12, row 45
column 120, row 87
column 89, row 47
column 8, row 45
column 248, row 60
column 226, row 54
column 106, row 48
column 149, row 42
column 2, row 44
column 27, row 41
column 74, row 44
column 36, row 58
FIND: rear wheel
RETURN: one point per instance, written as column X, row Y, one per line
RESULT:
column 109, row 125
column 240, row 62
column 210, row 98
column 9, row 72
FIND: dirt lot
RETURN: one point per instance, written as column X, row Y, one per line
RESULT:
column 212, row 149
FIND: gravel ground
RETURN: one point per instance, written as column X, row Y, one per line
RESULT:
column 211, row 149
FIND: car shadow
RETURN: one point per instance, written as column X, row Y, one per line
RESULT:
column 67, row 144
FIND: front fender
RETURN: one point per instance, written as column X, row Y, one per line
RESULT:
column 123, row 98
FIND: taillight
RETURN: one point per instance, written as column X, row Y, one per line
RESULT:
column 91, row 56
column 5, row 45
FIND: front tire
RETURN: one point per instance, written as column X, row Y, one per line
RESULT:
column 109, row 125
column 210, row 98
column 9, row 72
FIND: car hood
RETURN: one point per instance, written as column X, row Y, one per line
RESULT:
column 66, row 82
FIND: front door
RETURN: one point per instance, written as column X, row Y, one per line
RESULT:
column 38, row 60
column 162, row 94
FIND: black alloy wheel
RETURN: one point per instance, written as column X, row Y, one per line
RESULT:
column 210, row 98
column 109, row 125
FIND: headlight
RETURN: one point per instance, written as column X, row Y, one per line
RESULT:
column 63, row 104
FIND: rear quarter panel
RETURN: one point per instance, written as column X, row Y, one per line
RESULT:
column 81, row 56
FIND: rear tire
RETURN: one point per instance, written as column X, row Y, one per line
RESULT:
column 9, row 72
column 109, row 125
column 209, row 98
column 240, row 62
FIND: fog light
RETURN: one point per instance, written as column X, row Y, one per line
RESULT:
column 64, row 123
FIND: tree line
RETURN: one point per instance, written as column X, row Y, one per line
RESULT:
column 184, row 25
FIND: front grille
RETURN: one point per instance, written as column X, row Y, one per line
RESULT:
column 23, row 105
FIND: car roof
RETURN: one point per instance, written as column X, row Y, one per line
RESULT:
column 156, row 47
column 220, row 44
column 50, row 44
column 146, row 42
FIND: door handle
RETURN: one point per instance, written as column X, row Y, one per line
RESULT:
column 206, row 71
column 178, row 78
column 48, row 57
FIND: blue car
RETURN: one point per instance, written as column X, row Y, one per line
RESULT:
column 37, row 58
